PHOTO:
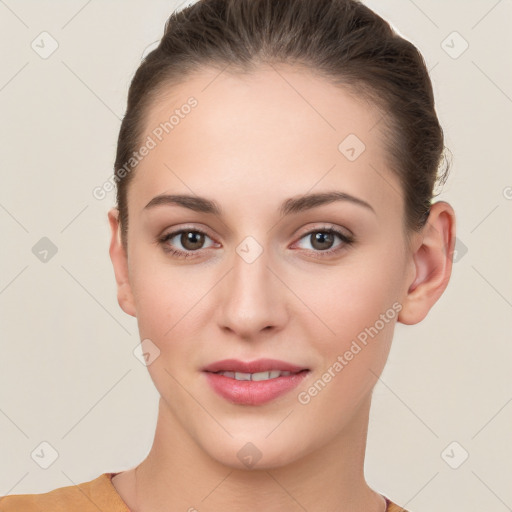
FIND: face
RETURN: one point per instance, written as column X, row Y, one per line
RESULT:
column 317, row 284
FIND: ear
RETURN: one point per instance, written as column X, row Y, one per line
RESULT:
column 120, row 262
column 432, row 264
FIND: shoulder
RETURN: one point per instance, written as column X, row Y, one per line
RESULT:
column 392, row 507
column 97, row 494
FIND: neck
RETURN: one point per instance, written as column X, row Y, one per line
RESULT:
column 178, row 475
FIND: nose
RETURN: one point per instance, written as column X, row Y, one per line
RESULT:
column 253, row 298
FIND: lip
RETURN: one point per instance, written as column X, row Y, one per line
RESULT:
column 247, row 392
column 259, row 365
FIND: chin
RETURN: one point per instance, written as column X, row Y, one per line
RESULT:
column 255, row 453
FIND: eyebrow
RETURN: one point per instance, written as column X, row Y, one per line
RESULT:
column 289, row 206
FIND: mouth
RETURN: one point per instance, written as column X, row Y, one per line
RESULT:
column 258, row 376
column 255, row 382
column 253, row 367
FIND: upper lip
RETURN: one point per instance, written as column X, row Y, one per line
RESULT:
column 259, row 365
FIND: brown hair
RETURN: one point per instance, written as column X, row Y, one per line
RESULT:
column 341, row 40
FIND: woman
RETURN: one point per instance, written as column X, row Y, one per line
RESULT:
column 274, row 220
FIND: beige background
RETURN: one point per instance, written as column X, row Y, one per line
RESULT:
column 68, row 373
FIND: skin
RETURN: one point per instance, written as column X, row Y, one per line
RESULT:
column 252, row 142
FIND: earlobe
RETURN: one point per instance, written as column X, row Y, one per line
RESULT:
column 432, row 264
column 120, row 262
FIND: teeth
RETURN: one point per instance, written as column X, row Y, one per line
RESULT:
column 255, row 376
column 266, row 375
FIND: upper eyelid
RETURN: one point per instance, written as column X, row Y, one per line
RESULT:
column 186, row 229
column 329, row 226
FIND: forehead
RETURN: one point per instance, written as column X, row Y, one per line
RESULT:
column 276, row 131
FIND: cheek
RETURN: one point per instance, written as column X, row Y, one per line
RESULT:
column 360, row 311
column 351, row 297
column 155, row 303
column 358, row 308
column 167, row 302
column 159, row 295
column 170, row 302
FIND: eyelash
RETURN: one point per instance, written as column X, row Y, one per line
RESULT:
column 346, row 239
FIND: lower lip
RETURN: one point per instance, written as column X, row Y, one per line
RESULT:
column 248, row 392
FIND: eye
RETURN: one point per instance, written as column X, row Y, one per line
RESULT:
column 322, row 239
column 191, row 240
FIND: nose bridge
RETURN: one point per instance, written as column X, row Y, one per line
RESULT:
column 252, row 298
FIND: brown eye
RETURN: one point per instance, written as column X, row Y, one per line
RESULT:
column 185, row 242
column 321, row 240
column 192, row 240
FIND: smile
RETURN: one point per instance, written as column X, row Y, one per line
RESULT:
column 254, row 376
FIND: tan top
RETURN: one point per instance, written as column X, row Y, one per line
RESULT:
column 97, row 494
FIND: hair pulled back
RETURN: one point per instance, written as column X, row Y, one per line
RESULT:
column 340, row 40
